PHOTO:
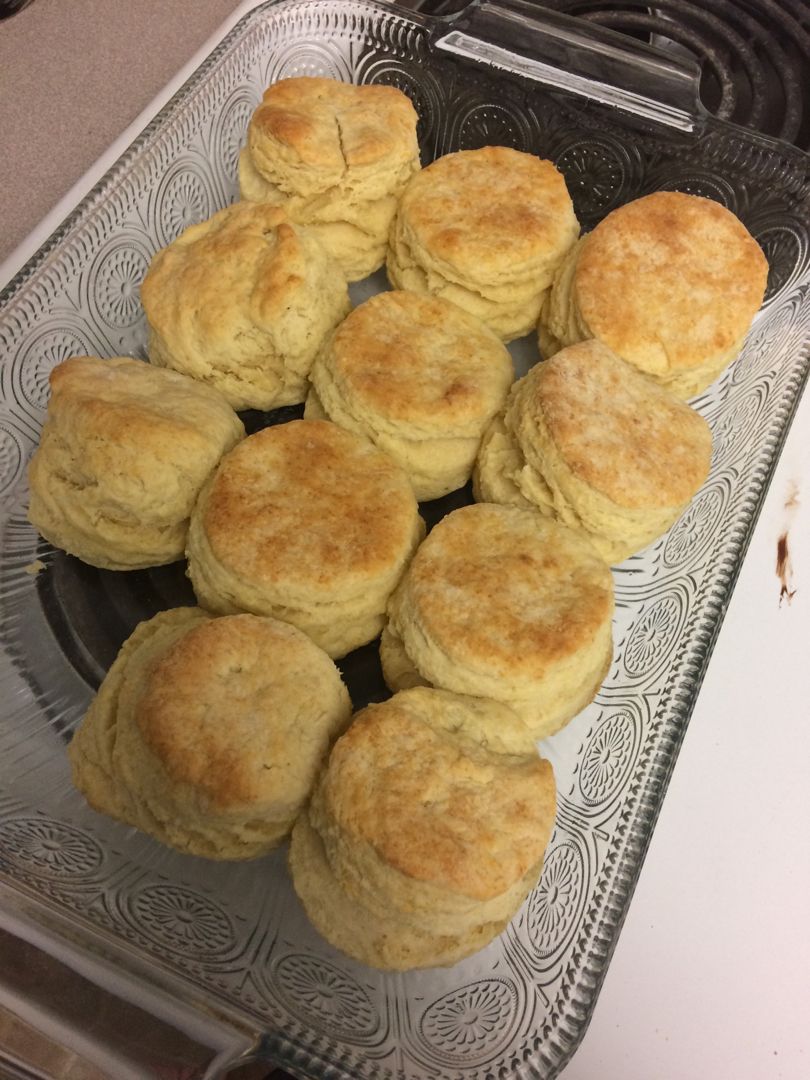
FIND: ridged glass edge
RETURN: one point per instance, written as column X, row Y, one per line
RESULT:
column 224, row 1032
column 683, row 697
column 686, row 687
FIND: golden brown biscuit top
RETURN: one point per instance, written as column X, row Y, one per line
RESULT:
column 616, row 429
column 419, row 359
column 490, row 213
column 670, row 280
column 433, row 805
column 333, row 126
column 125, row 402
column 307, row 502
column 507, row 591
column 247, row 263
column 224, row 706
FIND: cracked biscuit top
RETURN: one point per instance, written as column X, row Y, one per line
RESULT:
column 309, row 133
column 336, row 157
column 242, row 302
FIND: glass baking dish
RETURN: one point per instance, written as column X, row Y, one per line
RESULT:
column 225, row 952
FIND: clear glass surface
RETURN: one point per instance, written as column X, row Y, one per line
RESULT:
column 232, row 939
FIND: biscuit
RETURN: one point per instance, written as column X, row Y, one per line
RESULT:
column 419, row 377
column 500, row 602
column 670, row 283
column 336, row 157
column 243, row 302
column 308, row 523
column 389, row 944
column 499, row 461
column 197, row 740
column 427, row 830
column 485, row 229
column 123, row 454
column 592, row 442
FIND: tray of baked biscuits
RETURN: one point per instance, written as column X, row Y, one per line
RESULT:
column 381, row 439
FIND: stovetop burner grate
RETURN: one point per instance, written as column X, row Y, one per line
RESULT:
column 754, row 54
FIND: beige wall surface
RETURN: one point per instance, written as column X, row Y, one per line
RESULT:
column 73, row 75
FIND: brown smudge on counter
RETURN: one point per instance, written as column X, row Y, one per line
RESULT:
column 784, row 566
column 784, row 569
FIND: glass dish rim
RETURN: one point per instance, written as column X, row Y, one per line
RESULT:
column 617, row 904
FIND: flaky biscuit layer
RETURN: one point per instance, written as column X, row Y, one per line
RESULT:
column 336, row 157
column 419, row 377
column 123, row 454
column 242, row 302
column 197, row 740
column 390, row 943
column 669, row 282
column 503, row 603
column 308, row 523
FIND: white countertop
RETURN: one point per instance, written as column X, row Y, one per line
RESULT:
column 710, row 978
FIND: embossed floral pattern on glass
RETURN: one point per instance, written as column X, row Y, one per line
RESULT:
column 236, row 934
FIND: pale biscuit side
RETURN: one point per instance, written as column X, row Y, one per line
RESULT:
column 502, row 603
column 388, row 944
column 308, row 523
column 153, row 750
column 417, row 376
column 336, row 157
column 123, row 454
column 243, row 302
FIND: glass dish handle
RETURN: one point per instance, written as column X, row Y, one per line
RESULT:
column 576, row 56
column 64, row 1012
